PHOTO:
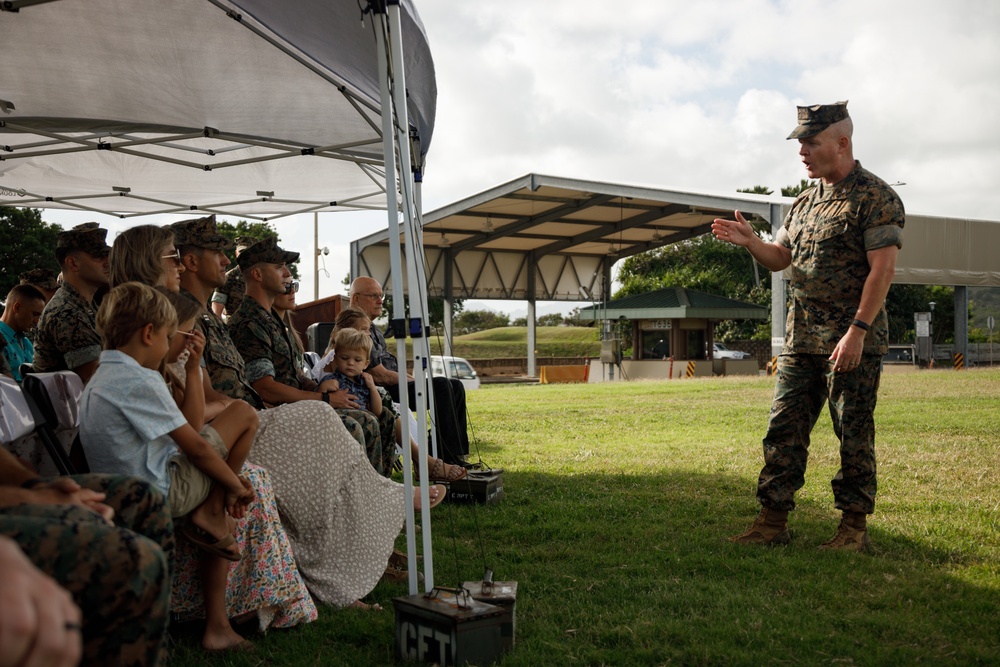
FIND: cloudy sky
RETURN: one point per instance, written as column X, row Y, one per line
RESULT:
column 700, row 96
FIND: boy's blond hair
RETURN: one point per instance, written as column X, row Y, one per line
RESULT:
column 128, row 308
column 352, row 339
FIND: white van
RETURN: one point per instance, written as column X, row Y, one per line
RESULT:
column 457, row 368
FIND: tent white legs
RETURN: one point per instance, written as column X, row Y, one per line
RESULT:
column 395, row 136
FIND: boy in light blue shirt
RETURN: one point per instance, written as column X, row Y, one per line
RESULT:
column 130, row 424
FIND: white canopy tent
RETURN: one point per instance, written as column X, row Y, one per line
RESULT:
column 237, row 107
column 240, row 107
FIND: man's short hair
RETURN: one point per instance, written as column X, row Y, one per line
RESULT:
column 352, row 339
column 128, row 308
column 24, row 293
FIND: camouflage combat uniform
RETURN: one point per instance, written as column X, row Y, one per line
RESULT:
column 119, row 575
column 67, row 335
column 264, row 345
column 829, row 230
column 231, row 294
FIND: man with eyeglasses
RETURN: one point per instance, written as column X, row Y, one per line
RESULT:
column 449, row 393
column 67, row 337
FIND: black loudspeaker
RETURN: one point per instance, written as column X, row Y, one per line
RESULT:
column 318, row 336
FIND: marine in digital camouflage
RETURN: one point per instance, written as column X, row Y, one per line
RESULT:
column 231, row 294
column 829, row 230
column 66, row 336
column 119, row 575
column 263, row 341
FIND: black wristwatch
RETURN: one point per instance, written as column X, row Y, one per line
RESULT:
column 326, row 397
column 861, row 324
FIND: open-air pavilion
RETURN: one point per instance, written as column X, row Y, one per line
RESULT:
column 546, row 238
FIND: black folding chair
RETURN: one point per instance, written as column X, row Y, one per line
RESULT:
column 54, row 400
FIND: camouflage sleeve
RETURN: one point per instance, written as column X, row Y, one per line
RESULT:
column 77, row 338
column 254, row 344
column 782, row 239
column 882, row 218
column 259, row 368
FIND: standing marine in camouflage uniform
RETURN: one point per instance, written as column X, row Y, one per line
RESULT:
column 67, row 337
column 117, row 572
column 229, row 297
column 841, row 239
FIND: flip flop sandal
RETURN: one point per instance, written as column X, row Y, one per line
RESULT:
column 207, row 542
column 445, row 472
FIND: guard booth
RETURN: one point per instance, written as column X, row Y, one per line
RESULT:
column 923, row 347
column 673, row 334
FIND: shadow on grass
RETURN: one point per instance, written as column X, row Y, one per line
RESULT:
column 635, row 570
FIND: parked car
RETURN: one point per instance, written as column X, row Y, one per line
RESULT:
column 457, row 368
column 720, row 351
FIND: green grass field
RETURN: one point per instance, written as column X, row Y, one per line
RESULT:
column 511, row 342
column 618, row 502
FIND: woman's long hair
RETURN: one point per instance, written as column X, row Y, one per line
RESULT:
column 136, row 255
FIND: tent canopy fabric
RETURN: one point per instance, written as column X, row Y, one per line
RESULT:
column 248, row 108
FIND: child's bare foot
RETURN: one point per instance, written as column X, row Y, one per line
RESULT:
column 220, row 640
column 358, row 604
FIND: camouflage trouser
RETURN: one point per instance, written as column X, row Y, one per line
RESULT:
column 375, row 434
column 387, row 424
column 805, row 382
column 118, row 575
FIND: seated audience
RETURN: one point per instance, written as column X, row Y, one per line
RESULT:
column 348, row 346
column 20, row 315
column 342, row 517
column 450, row 419
column 84, row 569
column 275, row 594
column 127, row 405
column 67, row 339
column 268, row 351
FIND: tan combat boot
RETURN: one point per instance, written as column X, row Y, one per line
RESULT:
column 767, row 528
column 852, row 534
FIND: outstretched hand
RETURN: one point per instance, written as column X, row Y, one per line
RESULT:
column 738, row 231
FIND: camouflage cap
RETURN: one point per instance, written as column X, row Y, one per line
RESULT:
column 267, row 251
column 200, row 232
column 244, row 242
column 42, row 278
column 88, row 237
column 816, row 118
